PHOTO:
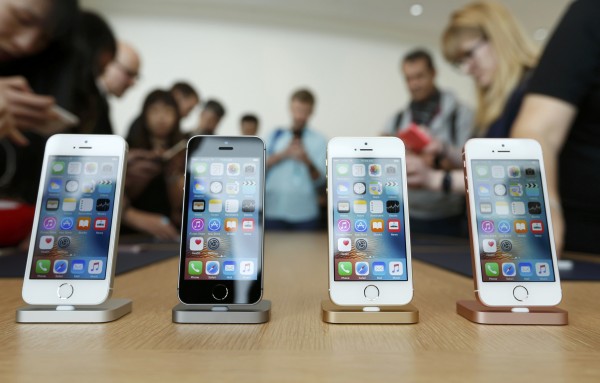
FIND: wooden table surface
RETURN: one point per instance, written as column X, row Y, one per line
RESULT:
column 296, row 346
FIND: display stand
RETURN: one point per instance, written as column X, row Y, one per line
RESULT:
column 478, row 313
column 333, row 313
column 233, row 314
column 108, row 311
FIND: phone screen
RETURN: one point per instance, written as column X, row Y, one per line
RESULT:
column 223, row 218
column 512, row 224
column 74, row 228
column 369, row 241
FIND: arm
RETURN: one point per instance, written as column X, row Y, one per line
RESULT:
column 547, row 120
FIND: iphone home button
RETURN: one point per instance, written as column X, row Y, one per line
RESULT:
column 220, row 292
column 65, row 291
column 520, row 293
column 371, row 292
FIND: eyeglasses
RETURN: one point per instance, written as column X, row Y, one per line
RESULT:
column 134, row 75
column 468, row 55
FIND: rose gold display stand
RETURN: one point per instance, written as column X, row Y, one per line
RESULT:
column 333, row 313
column 478, row 313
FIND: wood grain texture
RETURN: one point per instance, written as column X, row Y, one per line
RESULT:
column 296, row 346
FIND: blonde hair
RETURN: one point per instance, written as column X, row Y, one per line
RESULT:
column 515, row 53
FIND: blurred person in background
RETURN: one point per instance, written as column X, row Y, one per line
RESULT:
column 562, row 112
column 295, row 170
column 448, row 124
column 485, row 41
column 249, row 125
column 152, row 199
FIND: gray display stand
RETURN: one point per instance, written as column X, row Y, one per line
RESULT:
column 109, row 311
column 240, row 314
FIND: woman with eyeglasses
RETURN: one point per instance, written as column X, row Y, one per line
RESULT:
column 486, row 42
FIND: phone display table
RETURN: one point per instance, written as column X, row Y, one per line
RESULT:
column 478, row 313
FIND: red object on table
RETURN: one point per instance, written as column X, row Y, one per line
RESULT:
column 16, row 221
column 414, row 138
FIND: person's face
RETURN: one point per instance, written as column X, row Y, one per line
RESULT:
column 23, row 29
column 161, row 119
column 478, row 60
column 119, row 77
column 185, row 103
column 419, row 79
column 209, row 121
column 249, row 128
column 301, row 112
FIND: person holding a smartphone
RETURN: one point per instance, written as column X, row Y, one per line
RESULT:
column 434, row 126
column 295, row 170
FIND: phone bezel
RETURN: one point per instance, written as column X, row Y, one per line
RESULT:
column 352, row 292
column 85, row 292
column 240, row 291
column 501, row 293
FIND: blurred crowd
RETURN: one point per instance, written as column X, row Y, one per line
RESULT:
column 60, row 64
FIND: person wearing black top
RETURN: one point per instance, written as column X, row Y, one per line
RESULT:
column 562, row 111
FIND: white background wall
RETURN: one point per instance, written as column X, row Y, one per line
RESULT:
column 255, row 69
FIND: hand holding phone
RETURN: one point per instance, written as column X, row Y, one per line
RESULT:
column 369, row 236
column 512, row 242
column 76, row 226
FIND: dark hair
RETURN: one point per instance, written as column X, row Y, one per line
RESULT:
column 185, row 89
column 215, row 107
column 419, row 54
column 97, row 39
column 62, row 20
column 139, row 136
column 249, row 118
column 305, row 96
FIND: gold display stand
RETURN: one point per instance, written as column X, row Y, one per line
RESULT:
column 478, row 313
column 333, row 313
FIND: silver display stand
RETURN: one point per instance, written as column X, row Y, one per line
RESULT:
column 108, row 311
column 223, row 314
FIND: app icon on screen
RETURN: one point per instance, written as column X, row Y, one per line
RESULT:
column 343, row 188
column 85, row 204
column 514, row 171
column 72, row 186
column 63, row 242
column 195, row 268
column 489, row 245
column 212, row 268
column 492, row 269
column 214, row 224
column 516, row 189
column 361, row 244
column 392, row 188
column 232, row 187
column 216, row 169
column 248, row 205
column 377, row 226
column 102, row 204
column 532, row 189
column 249, row 187
column 342, row 169
column 107, row 168
column 379, row 268
column 232, row 206
column 518, row 208
column 542, row 269
column 375, row 188
column 485, row 208
column 231, row 224
column 104, row 186
column 482, row 171
column 375, row 170
column 216, row 187
column 396, row 268
column 42, row 266
column 246, row 268
column 343, row 207
column 509, row 269
column 233, row 169
column 483, row 190
column 83, row 223
column 525, row 269
column 376, row 206
column 359, row 188
column 57, row 167
column 55, row 185
column 88, row 186
column 344, row 225
column 487, row 226
column 199, row 187
column 534, row 208
column 46, row 242
column 344, row 244
column 360, row 206
column 229, row 268
column 392, row 206
column 391, row 170
column 197, row 224
column 90, row 168
column 100, row 224
column 199, row 168
column 61, row 266
column 74, row 168
column 499, row 189
column 49, row 223
column 344, row 268
column 95, row 266
column 537, row 226
column 67, row 223
column 213, row 243
column 78, row 266
column 520, row 226
column 393, row 225
column 529, row 172
column 361, row 268
column 248, row 225
column 198, row 205
column 506, row 245
column 504, row 227
column 360, row 226
column 498, row 171
column 52, row 204
column 358, row 170
column 215, row 205
column 249, row 169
